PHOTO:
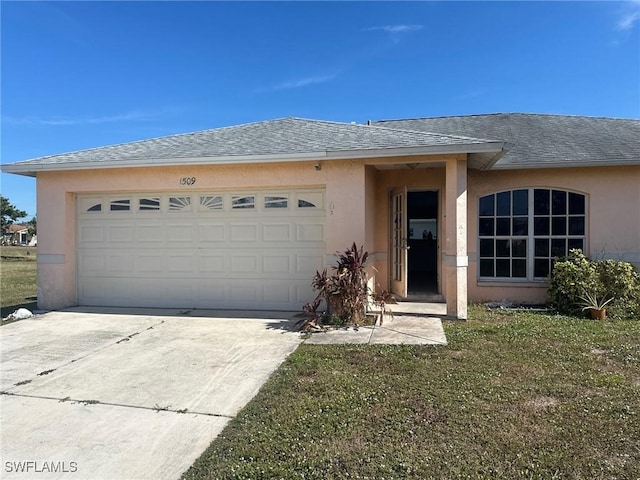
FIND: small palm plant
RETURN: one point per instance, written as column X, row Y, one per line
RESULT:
column 596, row 307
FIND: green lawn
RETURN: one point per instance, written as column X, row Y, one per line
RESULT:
column 513, row 396
column 17, row 278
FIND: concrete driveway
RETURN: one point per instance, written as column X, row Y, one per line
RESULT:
column 128, row 394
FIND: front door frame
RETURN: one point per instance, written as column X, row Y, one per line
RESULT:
column 399, row 238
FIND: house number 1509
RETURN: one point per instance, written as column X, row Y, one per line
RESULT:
column 187, row 180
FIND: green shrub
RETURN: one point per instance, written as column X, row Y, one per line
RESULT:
column 570, row 278
column 620, row 281
column 575, row 277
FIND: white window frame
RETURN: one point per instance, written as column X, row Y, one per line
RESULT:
column 530, row 237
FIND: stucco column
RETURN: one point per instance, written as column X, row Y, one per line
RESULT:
column 456, row 258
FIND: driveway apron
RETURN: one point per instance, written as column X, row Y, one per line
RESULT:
column 128, row 394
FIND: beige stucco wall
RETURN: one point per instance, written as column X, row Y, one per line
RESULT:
column 357, row 209
column 345, row 206
column 613, row 218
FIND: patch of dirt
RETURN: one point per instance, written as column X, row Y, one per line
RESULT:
column 543, row 402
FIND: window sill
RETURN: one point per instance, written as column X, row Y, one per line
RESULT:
column 513, row 283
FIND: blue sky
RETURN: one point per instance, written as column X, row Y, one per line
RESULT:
column 77, row 75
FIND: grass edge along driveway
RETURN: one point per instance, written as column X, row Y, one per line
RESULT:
column 17, row 279
column 513, row 395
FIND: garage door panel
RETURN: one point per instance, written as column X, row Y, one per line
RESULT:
column 150, row 233
column 186, row 254
column 92, row 264
column 311, row 232
column 120, row 264
column 242, row 292
column 120, row 233
column 276, row 232
column 244, row 233
column 278, row 293
column 212, row 264
column 308, row 264
column 276, row 263
column 91, row 234
column 211, row 233
column 179, row 263
column 244, row 264
column 146, row 264
column 179, row 232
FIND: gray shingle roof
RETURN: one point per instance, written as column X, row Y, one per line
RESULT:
column 542, row 141
column 281, row 137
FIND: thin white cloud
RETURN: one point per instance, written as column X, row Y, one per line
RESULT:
column 471, row 94
column 402, row 28
column 630, row 16
column 299, row 83
column 133, row 116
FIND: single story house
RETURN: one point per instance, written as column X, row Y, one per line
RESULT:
column 466, row 208
column 15, row 234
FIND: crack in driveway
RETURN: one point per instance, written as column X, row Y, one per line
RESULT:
column 156, row 409
column 86, row 355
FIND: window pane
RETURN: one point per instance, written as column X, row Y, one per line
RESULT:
column 559, row 226
column 503, row 268
column 485, row 209
column 503, row 201
column 486, row 227
column 520, row 202
column 576, row 243
column 558, row 202
column 520, row 226
column 486, row 268
column 576, row 225
column 211, row 202
column 245, row 201
column 542, row 247
column 576, row 204
column 96, row 208
column 503, row 226
column 486, row 248
column 275, row 202
column 177, row 204
column 558, row 247
column 149, row 204
column 502, row 248
column 519, row 268
column 119, row 205
column 541, row 202
column 541, row 267
column 519, row 248
column 541, row 226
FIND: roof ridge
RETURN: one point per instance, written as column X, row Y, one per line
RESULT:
column 528, row 114
column 465, row 137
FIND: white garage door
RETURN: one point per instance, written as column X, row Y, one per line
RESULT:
column 247, row 250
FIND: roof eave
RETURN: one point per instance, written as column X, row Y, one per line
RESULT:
column 569, row 164
column 32, row 169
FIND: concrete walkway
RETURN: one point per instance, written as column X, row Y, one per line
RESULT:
column 128, row 394
column 411, row 324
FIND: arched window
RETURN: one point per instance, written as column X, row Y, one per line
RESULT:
column 522, row 231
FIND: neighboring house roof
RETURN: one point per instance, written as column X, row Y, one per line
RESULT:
column 543, row 141
column 14, row 228
column 287, row 139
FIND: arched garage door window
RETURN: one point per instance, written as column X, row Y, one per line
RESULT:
column 522, row 231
